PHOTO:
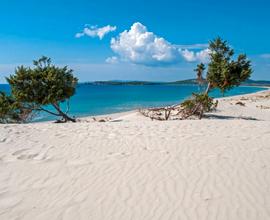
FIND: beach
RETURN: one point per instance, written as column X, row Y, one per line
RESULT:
column 131, row 167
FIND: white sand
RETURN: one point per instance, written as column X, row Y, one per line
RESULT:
column 135, row 168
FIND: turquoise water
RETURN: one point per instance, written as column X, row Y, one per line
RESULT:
column 104, row 99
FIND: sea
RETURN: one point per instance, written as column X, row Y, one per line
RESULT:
column 91, row 100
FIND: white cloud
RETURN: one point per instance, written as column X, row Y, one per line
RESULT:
column 140, row 46
column 94, row 31
column 112, row 60
column 191, row 56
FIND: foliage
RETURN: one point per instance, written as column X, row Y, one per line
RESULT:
column 12, row 111
column 198, row 104
column 223, row 72
column 45, row 84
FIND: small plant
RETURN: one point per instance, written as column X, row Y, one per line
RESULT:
column 198, row 104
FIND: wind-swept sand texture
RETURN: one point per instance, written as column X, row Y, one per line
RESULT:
column 135, row 168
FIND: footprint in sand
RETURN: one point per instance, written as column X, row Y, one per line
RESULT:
column 19, row 151
column 119, row 154
column 24, row 155
column 27, row 157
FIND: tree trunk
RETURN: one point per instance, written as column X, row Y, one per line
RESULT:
column 200, row 104
column 61, row 113
column 207, row 89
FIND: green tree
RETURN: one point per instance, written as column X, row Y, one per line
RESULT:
column 223, row 73
column 44, row 84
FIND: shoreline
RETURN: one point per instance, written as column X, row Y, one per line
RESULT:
column 45, row 118
column 117, row 115
column 134, row 115
column 267, row 88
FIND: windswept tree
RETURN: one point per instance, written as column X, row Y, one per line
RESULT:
column 43, row 85
column 223, row 73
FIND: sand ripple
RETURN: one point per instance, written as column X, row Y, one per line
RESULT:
column 155, row 170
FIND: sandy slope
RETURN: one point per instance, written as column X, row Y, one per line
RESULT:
column 134, row 168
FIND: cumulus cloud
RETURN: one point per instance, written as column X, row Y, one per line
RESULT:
column 94, row 31
column 140, row 46
column 191, row 56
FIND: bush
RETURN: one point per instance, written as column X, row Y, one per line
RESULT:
column 198, row 104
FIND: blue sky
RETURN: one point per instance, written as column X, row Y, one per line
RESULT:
column 164, row 40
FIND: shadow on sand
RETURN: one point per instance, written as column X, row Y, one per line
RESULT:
column 210, row 116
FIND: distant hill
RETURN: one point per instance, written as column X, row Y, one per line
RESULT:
column 117, row 82
column 249, row 82
column 185, row 82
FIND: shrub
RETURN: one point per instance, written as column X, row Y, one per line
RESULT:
column 198, row 104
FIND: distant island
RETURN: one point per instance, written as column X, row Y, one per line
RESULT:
column 178, row 82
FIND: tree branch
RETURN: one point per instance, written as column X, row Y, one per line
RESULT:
column 68, row 106
column 45, row 110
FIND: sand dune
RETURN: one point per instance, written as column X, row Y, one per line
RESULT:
column 135, row 168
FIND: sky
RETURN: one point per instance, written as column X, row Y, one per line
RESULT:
column 150, row 40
